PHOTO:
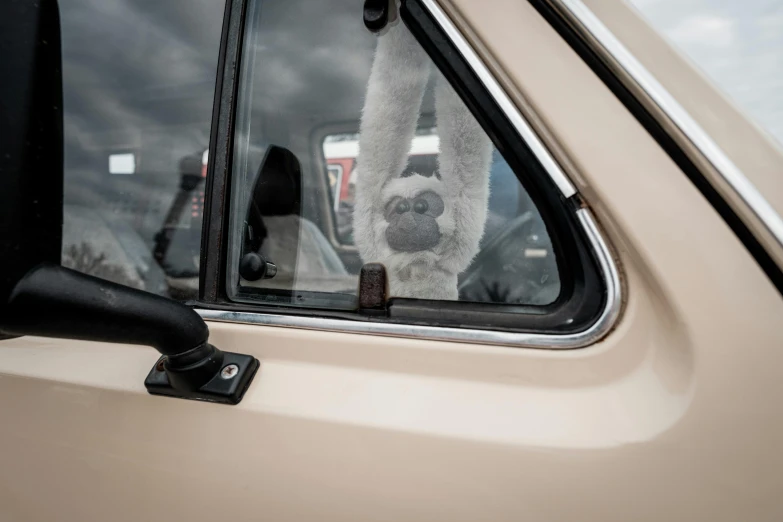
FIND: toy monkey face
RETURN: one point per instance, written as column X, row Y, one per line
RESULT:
column 413, row 225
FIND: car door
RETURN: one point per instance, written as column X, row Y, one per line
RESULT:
column 640, row 389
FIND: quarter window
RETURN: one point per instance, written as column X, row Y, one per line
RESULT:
column 429, row 196
column 351, row 148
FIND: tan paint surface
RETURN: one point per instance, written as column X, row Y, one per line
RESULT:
column 672, row 417
column 750, row 148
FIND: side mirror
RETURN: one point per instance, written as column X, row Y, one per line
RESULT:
column 39, row 297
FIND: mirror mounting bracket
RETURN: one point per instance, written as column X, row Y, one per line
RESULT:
column 227, row 385
column 52, row 301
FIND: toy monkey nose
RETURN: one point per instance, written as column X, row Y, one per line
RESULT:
column 406, row 222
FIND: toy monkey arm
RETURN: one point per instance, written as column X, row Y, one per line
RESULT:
column 464, row 162
column 395, row 90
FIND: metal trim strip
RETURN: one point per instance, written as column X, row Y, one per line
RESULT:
column 501, row 98
column 733, row 176
column 595, row 332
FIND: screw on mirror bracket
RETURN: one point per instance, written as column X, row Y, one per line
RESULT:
column 229, row 371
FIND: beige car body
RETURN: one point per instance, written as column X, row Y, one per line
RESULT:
column 670, row 416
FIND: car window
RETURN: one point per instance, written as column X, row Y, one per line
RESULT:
column 138, row 84
column 739, row 45
column 352, row 148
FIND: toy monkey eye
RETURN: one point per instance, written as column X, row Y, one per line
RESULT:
column 402, row 207
column 429, row 203
column 394, row 208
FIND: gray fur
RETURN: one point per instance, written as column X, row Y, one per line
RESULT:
column 391, row 109
column 423, row 255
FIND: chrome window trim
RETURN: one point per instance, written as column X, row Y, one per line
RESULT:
column 610, row 274
column 501, row 98
column 595, row 332
column 731, row 174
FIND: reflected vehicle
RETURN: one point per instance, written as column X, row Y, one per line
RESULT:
column 107, row 245
column 177, row 244
column 138, row 84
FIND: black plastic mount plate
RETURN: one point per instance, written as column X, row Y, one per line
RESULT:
column 228, row 389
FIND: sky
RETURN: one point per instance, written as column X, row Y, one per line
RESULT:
column 738, row 44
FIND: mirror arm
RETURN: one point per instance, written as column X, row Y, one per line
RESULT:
column 52, row 301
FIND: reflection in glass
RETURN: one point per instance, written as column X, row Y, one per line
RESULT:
column 138, row 82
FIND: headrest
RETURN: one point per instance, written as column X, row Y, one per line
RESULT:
column 277, row 191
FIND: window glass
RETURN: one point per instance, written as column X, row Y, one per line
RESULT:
column 352, row 148
column 739, row 45
column 138, row 82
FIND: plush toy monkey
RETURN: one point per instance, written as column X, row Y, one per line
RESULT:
column 425, row 230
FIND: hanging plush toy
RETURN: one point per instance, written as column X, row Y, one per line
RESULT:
column 424, row 229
